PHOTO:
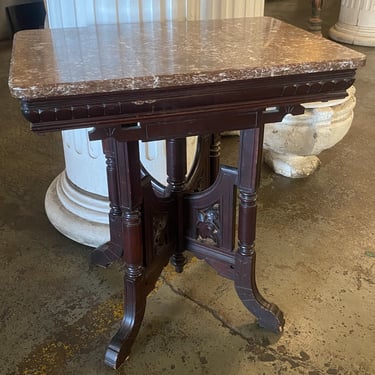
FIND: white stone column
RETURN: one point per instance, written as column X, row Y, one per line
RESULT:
column 356, row 23
column 76, row 201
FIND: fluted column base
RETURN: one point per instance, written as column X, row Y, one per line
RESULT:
column 356, row 23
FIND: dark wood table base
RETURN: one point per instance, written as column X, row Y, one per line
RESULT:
column 196, row 211
column 150, row 225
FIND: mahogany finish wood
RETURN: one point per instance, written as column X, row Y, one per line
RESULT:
column 150, row 224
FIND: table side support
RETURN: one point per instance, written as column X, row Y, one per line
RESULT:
column 149, row 228
column 210, row 224
column 269, row 315
column 130, row 200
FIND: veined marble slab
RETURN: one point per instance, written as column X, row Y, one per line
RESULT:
column 113, row 58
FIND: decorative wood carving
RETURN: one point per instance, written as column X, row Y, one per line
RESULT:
column 124, row 115
column 208, row 225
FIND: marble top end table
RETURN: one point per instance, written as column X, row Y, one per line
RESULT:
column 131, row 82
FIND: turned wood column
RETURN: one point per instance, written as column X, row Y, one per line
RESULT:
column 269, row 315
column 176, row 171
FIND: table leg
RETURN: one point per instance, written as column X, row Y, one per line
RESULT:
column 130, row 197
column 269, row 315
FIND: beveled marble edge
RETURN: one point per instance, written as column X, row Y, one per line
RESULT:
column 29, row 81
column 151, row 82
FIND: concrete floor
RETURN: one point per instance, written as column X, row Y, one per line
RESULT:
column 315, row 242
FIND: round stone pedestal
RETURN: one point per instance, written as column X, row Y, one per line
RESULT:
column 356, row 23
column 291, row 146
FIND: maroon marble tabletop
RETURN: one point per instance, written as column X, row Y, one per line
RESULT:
column 108, row 58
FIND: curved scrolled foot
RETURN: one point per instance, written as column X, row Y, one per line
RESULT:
column 135, row 304
column 268, row 314
column 116, row 355
column 119, row 348
column 106, row 254
column 274, row 320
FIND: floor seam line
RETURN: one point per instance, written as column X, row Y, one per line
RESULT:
column 292, row 360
